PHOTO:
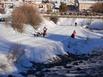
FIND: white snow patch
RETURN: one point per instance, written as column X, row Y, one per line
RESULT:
column 6, row 66
column 38, row 49
column 96, row 24
column 42, row 50
column 72, row 21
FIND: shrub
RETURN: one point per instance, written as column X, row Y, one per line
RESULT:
column 25, row 14
column 54, row 19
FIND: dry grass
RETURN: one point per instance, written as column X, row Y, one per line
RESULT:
column 25, row 14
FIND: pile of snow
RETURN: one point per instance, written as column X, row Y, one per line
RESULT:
column 38, row 49
column 24, row 47
column 66, row 21
column 96, row 24
column 42, row 50
column 46, row 23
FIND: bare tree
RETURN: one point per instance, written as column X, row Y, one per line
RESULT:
column 25, row 14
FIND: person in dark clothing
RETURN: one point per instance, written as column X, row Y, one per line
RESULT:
column 10, row 75
column 73, row 34
column 44, row 31
column 75, row 23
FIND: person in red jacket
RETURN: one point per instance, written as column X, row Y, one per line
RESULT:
column 73, row 34
column 44, row 31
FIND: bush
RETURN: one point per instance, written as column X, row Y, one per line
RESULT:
column 97, row 7
column 54, row 19
column 25, row 14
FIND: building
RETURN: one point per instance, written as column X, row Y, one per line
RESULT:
column 43, row 7
column 10, row 3
column 73, row 5
column 87, row 4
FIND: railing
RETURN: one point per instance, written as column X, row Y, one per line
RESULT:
column 74, row 16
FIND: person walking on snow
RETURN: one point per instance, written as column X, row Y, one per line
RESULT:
column 44, row 31
column 75, row 23
column 73, row 34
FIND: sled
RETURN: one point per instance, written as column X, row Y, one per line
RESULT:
column 37, row 34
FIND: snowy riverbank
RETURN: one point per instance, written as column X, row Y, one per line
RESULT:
column 24, row 48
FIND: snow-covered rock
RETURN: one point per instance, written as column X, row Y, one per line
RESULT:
column 6, row 65
column 42, row 50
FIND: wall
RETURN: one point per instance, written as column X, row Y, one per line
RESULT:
column 85, row 6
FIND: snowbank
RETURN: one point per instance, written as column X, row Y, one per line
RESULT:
column 46, row 23
column 66, row 21
column 96, row 24
column 83, row 22
column 24, row 47
column 43, row 50
column 6, row 66
column 72, row 21
column 90, row 23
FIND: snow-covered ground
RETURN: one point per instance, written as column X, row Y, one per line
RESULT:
column 24, row 47
column 96, row 24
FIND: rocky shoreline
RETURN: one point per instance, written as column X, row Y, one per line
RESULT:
column 68, row 66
